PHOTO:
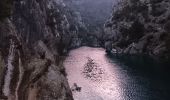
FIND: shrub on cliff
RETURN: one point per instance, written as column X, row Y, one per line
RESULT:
column 133, row 21
column 5, row 8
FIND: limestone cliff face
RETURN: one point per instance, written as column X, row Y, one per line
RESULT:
column 33, row 41
column 140, row 26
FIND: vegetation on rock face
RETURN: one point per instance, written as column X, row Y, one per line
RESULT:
column 35, row 24
column 143, row 23
column 5, row 8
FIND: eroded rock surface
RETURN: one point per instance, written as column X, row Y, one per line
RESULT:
column 33, row 41
column 140, row 26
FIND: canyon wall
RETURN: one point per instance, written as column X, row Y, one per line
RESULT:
column 35, row 35
column 93, row 14
column 139, row 27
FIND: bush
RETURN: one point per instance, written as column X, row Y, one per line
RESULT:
column 5, row 8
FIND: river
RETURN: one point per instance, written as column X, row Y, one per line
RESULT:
column 101, row 77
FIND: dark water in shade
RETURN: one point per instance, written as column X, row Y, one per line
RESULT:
column 116, row 78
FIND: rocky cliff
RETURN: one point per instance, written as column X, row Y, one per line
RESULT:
column 93, row 14
column 34, row 36
column 140, row 27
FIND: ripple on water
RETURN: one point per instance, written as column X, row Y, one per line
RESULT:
column 102, row 78
column 89, row 68
column 93, row 70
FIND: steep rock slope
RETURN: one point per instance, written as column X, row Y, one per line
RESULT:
column 140, row 26
column 34, row 36
column 93, row 14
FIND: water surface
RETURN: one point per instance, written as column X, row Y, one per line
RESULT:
column 112, row 79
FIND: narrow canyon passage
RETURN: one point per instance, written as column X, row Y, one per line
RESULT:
column 84, row 49
column 102, row 78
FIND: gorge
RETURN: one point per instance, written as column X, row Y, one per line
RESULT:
column 55, row 49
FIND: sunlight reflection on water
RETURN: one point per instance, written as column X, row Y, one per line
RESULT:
column 109, row 79
column 107, row 88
